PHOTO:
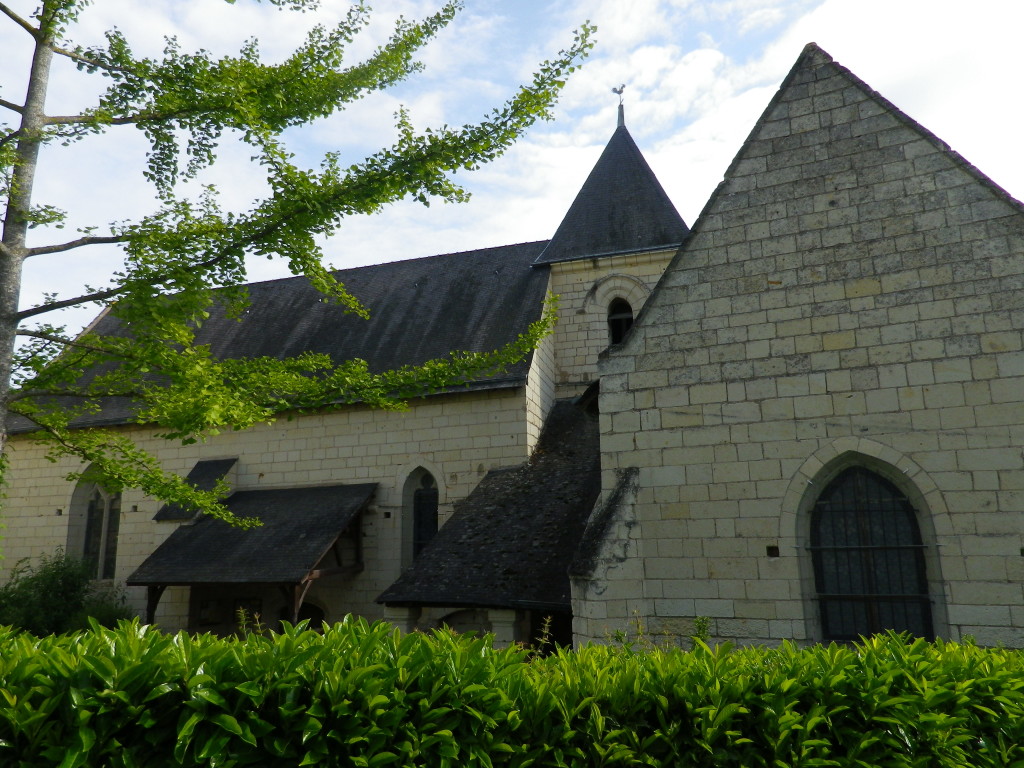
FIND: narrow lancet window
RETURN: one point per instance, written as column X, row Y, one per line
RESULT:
column 419, row 513
column 620, row 320
column 424, row 513
column 93, row 528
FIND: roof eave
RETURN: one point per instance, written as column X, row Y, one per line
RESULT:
column 508, row 382
column 608, row 254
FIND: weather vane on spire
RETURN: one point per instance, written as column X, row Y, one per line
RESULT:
column 622, row 111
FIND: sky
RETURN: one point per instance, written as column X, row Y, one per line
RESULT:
column 698, row 74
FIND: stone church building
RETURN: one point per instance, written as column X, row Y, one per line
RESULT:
column 803, row 418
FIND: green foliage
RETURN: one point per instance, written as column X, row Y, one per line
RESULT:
column 57, row 594
column 365, row 695
column 249, row 623
column 189, row 253
column 701, row 630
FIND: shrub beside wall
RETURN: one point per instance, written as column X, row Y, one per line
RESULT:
column 57, row 594
column 363, row 695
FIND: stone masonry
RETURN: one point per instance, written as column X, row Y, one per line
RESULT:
column 351, row 445
column 852, row 295
column 585, row 288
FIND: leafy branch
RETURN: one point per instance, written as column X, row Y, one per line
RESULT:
column 188, row 258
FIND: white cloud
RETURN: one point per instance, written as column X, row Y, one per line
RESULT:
column 698, row 75
column 950, row 69
column 760, row 18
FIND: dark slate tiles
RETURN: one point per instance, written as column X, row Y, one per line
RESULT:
column 299, row 527
column 510, row 542
column 620, row 208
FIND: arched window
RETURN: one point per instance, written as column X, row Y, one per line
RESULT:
column 620, row 320
column 424, row 513
column 420, row 514
column 93, row 527
column 868, row 556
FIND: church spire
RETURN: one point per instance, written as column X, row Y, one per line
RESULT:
column 621, row 207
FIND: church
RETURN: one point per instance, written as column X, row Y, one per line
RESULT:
column 801, row 418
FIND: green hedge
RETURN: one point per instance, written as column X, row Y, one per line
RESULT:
column 364, row 695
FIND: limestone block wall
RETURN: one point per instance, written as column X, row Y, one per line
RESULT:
column 853, row 295
column 457, row 437
column 585, row 288
column 540, row 389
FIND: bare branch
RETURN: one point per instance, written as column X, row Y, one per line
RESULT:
column 81, row 119
column 56, row 435
column 64, row 361
column 59, row 340
column 16, row 412
column 10, row 137
column 110, row 293
column 80, row 58
column 23, row 23
column 24, row 394
column 113, row 292
column 139, row 117
column 44, row 336
column 83, row 299
column 72, row 244
column 12, row 106
column 75, row 344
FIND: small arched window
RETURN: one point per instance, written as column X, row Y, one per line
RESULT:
column 868, row 556
column 93, row 527
column 419, row 525
column 620, row 320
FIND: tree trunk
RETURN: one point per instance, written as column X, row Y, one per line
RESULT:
column 19, row 206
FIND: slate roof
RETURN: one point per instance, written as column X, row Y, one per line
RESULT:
column 620, row 208
column 204, row 476
column 299, row 527
column 421, row 309
column 510, row 542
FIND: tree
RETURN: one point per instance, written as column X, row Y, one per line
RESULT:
column 190, row 253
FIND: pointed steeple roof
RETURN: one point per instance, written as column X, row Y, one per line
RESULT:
column 621, row 208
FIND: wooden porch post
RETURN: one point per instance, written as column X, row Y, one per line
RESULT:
column 153, row 594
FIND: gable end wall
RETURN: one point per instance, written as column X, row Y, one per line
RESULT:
column 854, row 292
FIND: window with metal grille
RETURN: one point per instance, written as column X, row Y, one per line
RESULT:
column 620, row 320
column 869, row 566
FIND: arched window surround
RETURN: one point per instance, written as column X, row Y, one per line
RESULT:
column 820, row 469
column 612, row 288
column 616, row 285
column 868, row 558
column 94, row 520
column 422, row 494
